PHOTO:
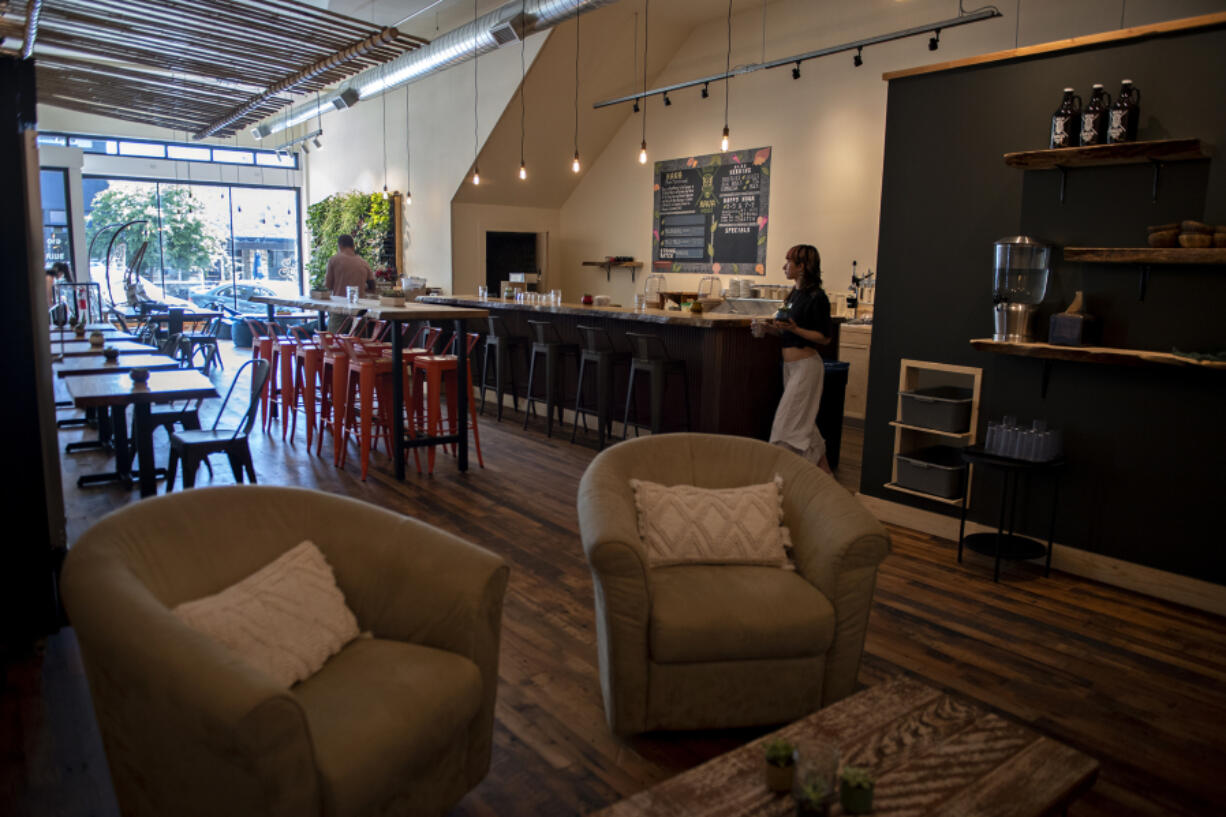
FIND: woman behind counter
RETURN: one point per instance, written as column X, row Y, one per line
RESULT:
column 805, row 328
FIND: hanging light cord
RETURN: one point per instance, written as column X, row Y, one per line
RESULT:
column 383, row 97
column 523, row 15
column 577, row 16
column 475, row 92
column 728, row 64
column 408, row 145
column 646, row 30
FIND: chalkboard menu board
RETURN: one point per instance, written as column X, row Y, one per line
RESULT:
column 709, row 213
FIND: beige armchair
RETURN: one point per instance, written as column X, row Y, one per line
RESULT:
column 396, row 724
column 714, row 646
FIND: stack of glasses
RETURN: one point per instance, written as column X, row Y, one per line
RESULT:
column 1035, row 444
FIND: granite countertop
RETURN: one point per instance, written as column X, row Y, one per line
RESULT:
column 372, row 307
column 657, row 316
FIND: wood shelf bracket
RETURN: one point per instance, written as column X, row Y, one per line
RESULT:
column 1063, row 180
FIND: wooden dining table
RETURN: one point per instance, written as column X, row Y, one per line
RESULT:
column 98, row 364
column 398, row 316
column 80, row 348
column 115, row 392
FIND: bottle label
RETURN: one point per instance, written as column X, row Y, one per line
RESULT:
column 1061, row 136
column 1117, row 130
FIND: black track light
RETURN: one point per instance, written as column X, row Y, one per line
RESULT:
column 934, row 42
column 858, row 60
column 667, row 101
column 796, row 70
column 706, row 90
column 636, row 106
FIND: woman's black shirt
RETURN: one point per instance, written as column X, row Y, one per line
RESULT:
column 810, row 309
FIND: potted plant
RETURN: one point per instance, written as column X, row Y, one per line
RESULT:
column 813, row 797
column 780, row 765
column 856, row 790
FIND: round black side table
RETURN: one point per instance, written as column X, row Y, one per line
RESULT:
column 1005, row 544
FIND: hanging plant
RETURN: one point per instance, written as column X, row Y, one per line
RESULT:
column 365, row 216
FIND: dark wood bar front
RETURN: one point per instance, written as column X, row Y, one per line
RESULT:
column 734, row 379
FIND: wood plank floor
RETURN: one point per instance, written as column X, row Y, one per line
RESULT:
column 1138, row 683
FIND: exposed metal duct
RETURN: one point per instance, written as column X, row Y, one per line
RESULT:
column 483, row 35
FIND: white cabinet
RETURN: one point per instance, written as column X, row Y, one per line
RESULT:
column 855, row 341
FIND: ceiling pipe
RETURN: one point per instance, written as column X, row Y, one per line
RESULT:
column 354, row 51
column 32, row 13
column 504, row 25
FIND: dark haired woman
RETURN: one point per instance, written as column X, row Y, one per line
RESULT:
column 806, row 328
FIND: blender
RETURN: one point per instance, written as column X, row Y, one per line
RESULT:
column 1019, row 284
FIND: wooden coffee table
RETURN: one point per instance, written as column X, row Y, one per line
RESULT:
column 931, row 753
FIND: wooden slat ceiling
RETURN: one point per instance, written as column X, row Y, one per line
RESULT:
column 186, row 64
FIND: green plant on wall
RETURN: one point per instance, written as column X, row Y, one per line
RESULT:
column 365, row 216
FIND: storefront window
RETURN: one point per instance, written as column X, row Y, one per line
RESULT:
column 205, row 244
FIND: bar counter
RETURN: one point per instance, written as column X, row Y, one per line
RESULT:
column 734, row 378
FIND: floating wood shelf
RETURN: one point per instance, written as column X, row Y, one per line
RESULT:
column 1145, row 255
column 1124, row 153
column 609, row 266
column 957, row 500
column 1093, row 354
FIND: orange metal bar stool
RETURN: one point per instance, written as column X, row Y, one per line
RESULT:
column 438, row 372
column 309, row 356
column 369, row 383
column 264, row 347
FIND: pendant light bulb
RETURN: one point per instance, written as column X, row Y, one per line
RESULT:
column 476, row 176
column 723, row 143
column 575, row 164
column 385, row 192
column 643, row 153
column 523, row 171
column 408, row 197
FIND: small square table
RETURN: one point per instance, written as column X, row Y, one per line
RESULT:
column 116, row 392
column 77, row 348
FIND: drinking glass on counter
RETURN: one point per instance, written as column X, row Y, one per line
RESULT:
column 519, row 296
column 351, row 294
column 757, row 328
column 555, row 297
column 483, row 292
column 640, row 301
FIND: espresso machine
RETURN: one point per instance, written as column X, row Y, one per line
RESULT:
column 1019, row 284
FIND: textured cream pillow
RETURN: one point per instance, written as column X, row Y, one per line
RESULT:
column 286, row 619
column 683, row 524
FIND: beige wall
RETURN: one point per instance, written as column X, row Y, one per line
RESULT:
column 441, row 115
column 827, row 129
column 470, row 223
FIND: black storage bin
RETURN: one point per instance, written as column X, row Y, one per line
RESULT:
column 942, row 408
column 830, row 412
column 937, row 470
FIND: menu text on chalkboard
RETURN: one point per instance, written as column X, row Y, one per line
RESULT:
column 710, row 213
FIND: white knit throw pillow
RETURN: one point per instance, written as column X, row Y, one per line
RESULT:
column 286, row 619
column 684, row 524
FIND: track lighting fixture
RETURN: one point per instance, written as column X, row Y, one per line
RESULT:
column 858, row 60
column 643, row 153
column 306, row 148
column 934, row 42
column 575, row 164
column 796, row 70
column 316, row 143
column 667, row 101
column 706, row 90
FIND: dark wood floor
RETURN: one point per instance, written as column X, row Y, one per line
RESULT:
column 1137, row 683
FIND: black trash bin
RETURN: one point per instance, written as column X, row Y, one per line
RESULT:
column 830, row 412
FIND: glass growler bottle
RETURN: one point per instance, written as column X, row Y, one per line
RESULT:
column 1125, row 113
column 1094, row 117
column 1066, row 121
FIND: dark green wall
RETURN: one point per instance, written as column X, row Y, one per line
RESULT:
column 1146, row 446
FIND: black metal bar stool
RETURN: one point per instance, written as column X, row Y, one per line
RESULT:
column 650, row 355
column 500, row 342
column 597, row 348
column 546, row 341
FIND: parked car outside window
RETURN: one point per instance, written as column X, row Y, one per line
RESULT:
column 224, row 295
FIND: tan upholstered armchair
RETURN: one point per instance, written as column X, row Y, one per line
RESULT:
column 713, row 646
column 396, row 724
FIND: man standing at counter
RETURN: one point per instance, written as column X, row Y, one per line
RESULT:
column 346, row 269
column 804, row 325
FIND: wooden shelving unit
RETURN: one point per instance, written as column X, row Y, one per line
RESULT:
column 1123, row 153
column 917, row 374
column 609, row 266
column 1145, row 255
column 1093, row 354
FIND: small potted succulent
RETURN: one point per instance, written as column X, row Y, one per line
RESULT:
column 111, row 354
column 856, row 790
column 78, row 329
column 96, row 339
column 139, row 376
column 780, row 765
column 813, row 796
